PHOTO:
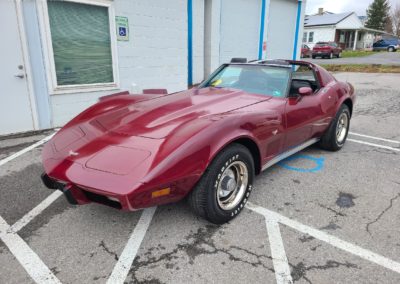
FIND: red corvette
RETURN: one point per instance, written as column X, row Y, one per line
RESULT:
column 207, row 143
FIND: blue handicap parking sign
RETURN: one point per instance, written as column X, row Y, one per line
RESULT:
column 122, row 31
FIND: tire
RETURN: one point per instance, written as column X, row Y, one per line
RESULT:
column 208, row 198
column 313, row 57
column 391, row 49
column 331, row 140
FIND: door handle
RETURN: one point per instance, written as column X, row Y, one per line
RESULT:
column 21, row 76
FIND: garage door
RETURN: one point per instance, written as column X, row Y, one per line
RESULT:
column 281, row 29
column 240, row 29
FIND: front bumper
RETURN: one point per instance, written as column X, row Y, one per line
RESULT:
column 76, row 195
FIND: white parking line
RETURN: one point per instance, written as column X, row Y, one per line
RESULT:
column 374, row 145
column 279, row 259
column 29, row 260
column 375, row 138
column 332, row 240
column 35, row 211
column 27, row 149
column 124, row 263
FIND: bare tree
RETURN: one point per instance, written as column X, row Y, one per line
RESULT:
column 395, row 15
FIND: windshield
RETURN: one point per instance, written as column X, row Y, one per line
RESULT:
column 257, row 79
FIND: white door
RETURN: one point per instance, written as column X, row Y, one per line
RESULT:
column 15, row 105
column 282, row 29
column 240, row 29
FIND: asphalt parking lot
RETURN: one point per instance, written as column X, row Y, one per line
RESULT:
column 383, row 57
column 319, row 217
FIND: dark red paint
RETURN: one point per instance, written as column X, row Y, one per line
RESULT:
column 127, row 146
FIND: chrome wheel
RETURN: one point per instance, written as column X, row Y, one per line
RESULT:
column 232, row 185
column 341, row 128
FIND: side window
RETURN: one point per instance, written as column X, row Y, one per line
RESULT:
column 303, row 72
column 311, row 37
column 302, row 76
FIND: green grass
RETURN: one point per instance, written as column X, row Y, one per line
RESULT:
column 357, row 53
column 362, row 68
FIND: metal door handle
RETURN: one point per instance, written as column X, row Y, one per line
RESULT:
column 21, row 76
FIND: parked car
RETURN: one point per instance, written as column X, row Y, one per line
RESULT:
column 390, row 45
column 305, row 51
column 326, row 50
column 135, row 151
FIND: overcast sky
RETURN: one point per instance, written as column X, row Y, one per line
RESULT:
column 338, row 6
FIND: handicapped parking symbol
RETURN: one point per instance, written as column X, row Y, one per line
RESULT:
column 319, row 164
column 122, row 31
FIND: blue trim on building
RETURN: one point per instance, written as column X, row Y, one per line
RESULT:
column 190, row 41
column 262, row 25
column 296, row 35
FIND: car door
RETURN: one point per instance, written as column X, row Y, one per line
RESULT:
column 308, row 50
column 301, row 111
column 335, row 48
column 378, row 45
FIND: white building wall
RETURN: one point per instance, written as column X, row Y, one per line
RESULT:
column 320, row 34
column 367, row 40
column 198, row 41
column 212, row 25
column 154, row 57
column 281, row 29
column 240, row 29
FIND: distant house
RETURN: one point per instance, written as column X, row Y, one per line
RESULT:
column 346, row 29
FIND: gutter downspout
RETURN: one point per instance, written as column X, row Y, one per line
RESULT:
column 296, row 35
column 262, row 26
column 190, row 41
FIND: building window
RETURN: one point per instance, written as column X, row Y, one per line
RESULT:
column 81, row 44
column 311, row 37
column 305, row 37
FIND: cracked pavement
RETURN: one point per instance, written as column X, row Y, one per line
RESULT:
column 355, row 197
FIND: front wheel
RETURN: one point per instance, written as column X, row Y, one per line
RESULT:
column 391, row 49
column 225, row 186
column 336, row 135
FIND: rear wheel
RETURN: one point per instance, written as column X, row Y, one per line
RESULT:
column 336, row 135
column 225, row 186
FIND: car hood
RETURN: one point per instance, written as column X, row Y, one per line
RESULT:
column 160, row 117
column 129, row 138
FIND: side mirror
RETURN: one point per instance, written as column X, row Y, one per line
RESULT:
column 305, row 91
